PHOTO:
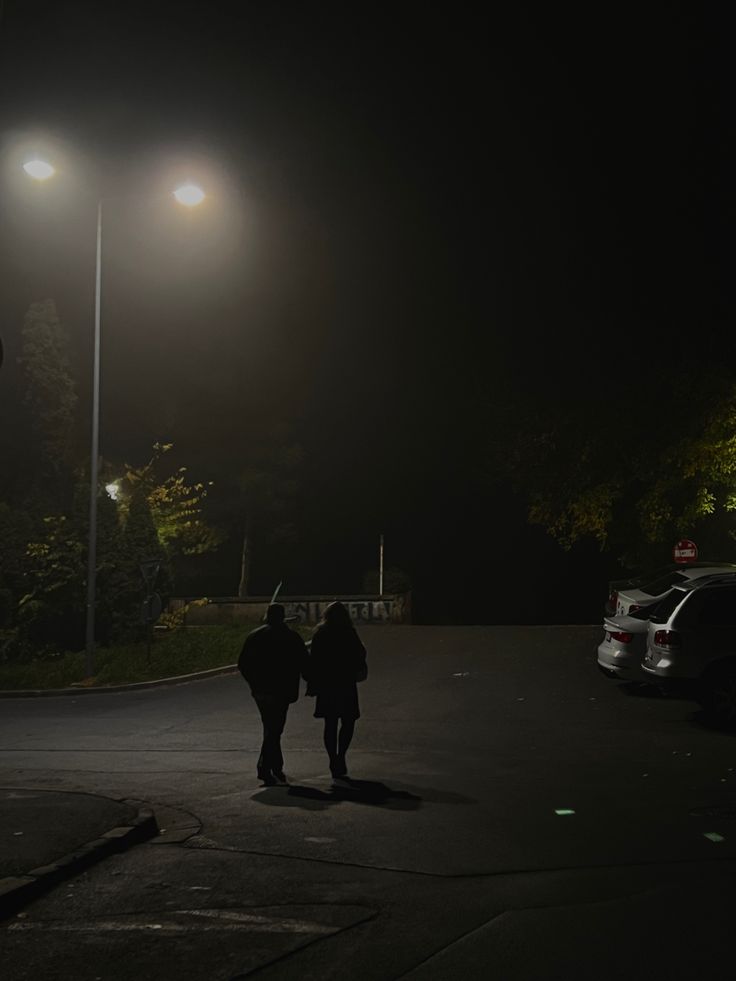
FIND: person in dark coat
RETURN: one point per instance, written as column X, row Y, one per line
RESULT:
column 272, row 661
column 337, row 661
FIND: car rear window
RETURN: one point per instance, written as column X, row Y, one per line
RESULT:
column 719, row 608
column 667, row 606
column 645, row 612
column 661, row 585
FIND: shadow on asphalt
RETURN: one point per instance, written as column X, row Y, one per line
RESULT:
column 357, row 791
column 369, row 792
column 641, row 689
column 699, row 720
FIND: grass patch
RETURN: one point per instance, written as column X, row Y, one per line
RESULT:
column 182, row 651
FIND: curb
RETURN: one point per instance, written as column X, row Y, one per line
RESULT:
column 111, row 689
column 17, row 891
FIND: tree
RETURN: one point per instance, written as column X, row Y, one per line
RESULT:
column 587, row 476
column 176, row 506
column 163, row 521
column 51, row 612
column 140, row 542
column 49, row 397
column 44, row 508
column 266, row 490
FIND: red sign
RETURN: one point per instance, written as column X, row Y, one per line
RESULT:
column 685, row 551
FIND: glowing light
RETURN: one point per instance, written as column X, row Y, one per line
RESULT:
column 38, row 169
column 113, row 490
column 189, row 195
column 713, row 836
column 563, row 810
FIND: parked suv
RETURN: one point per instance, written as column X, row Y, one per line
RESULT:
column 691, row 644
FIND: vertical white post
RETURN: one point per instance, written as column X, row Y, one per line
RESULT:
column 380, row 567
column 93, row 463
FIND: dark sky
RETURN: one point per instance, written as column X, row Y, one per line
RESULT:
column 407, row 208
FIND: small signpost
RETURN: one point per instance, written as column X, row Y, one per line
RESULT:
column 151, row 609
column 685, row 551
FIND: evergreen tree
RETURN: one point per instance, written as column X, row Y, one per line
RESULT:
column 48, row 396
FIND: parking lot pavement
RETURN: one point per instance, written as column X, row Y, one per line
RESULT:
column 502, row 786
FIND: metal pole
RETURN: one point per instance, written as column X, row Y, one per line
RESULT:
column 380, row 568
column 93, row 463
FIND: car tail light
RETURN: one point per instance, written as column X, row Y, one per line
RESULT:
column 634, row 606
column 666, row 638
column 622, row 636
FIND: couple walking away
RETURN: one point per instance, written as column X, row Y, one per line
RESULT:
column 274, row 659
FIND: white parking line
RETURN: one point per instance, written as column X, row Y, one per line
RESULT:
column 229, row 920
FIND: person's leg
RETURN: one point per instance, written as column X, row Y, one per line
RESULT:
column 330, row 738
column 347, row 728
column 262, row 767
column 274, row 726
column 273, row 716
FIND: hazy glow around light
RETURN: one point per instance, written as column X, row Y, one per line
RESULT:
column 38, row 169
column 189, row 194
column 113, row 490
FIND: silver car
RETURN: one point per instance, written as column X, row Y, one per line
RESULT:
column 624, row 644
column 636, row 598
column 691, row 644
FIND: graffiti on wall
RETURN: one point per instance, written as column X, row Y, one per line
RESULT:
column 361, row 611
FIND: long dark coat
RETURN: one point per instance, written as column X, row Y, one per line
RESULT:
column 337, row 661
column 272, row 661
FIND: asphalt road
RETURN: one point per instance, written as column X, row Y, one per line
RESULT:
column 446, row 858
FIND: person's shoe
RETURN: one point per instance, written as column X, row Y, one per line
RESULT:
column 280, row 776
column 268, row 779
column 338, row 767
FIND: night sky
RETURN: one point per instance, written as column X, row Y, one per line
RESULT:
column 412, row 215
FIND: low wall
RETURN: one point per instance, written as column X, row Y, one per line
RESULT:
column 393, row 608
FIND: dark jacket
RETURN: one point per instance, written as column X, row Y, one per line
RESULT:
column 337, row 660
column 272, row 661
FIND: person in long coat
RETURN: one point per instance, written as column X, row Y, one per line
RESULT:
column 273, row 661
column 337, row 661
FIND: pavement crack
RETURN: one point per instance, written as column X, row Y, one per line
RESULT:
column 450, row 945
column 207, row 844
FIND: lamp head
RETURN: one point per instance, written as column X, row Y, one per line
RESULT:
column 38, row 169
column 189, row 195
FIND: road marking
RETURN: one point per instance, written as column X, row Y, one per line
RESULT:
column 229, row 920
column 268, row 924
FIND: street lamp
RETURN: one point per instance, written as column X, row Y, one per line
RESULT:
column 190, row 195
column 40, row 170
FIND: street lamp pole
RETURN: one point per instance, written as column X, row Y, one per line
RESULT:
column 94, row 462
column 190, row 195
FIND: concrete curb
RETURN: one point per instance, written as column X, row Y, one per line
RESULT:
column 17, row 891
column 111, row 689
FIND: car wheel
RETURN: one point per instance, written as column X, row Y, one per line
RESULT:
column 718, row 696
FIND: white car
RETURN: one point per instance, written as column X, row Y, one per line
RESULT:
column 632, row 599
column 624, row 645
column 691, row 645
